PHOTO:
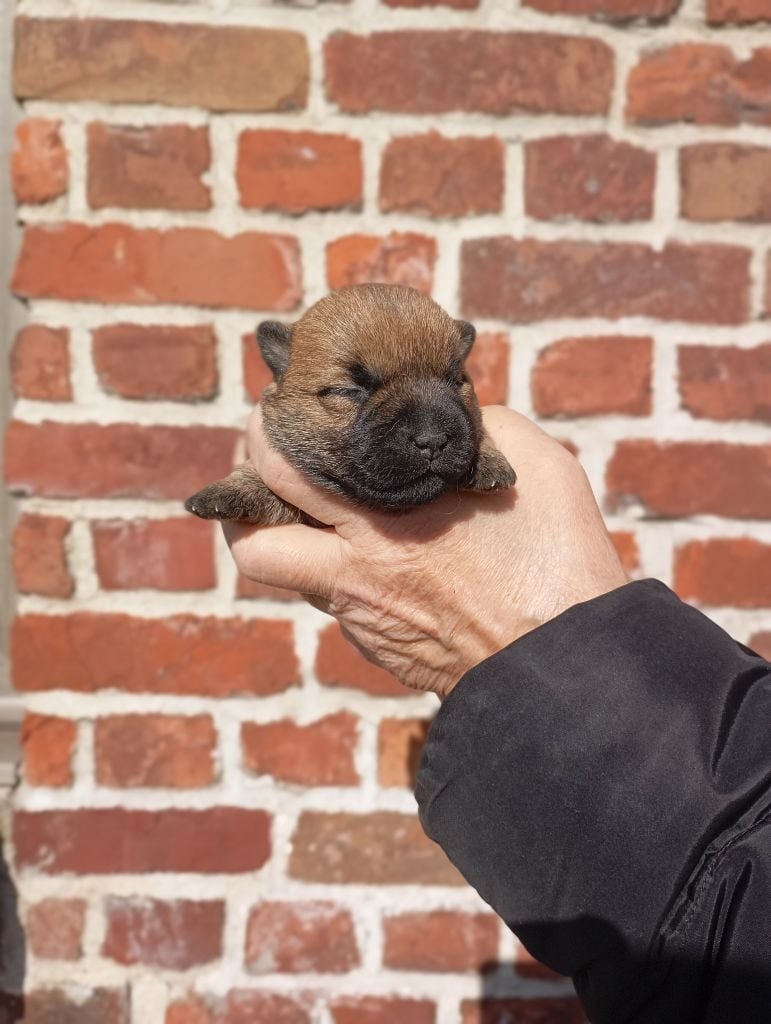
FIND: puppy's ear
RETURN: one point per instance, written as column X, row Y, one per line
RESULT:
column 467, row 334
column 274, row 340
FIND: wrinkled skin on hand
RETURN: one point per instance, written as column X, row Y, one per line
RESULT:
column 429, row 593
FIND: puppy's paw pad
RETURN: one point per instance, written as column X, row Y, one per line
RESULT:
column 493, row 473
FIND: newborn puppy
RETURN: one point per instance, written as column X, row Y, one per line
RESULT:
column 370, row 400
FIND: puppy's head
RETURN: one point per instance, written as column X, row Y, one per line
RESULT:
column 371, row 397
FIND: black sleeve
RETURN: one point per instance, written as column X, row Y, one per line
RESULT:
column 604, row 785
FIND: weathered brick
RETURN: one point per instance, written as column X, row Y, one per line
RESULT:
column 687, row 478
column 725, row 181
column 192, row 266
column 432, row 72
column 106, row 841
column 588, row 177
column 156, row 362
column 39, row 556
column 440, row 940
column 116, row 460
column 116, row 61
column 761, row 642
column 159, row 554
column 627, row 549
column 155, row 750
column 441, row 177
column 55, row 929
column 400, row 745
column 702, row 83
column 381, row 848
column 39, row 169
column 594, row 377
column 298, row 938
column 40, row 364
column 382, row 1010
column 241, row 1006
column 724, row 382
column 394, row 259
column 488, row 366
column 173, row 935
column 620, row 10
column 48, row 745
column 75, row 1006
column 528, row 280
column 522, row 1011
column 299, row 171
column 152, row 167
column 182, row 654
column 724, row 571
column 738, row 11
column 338, row 663
column 319, row 754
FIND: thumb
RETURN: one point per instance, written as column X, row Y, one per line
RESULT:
column 295, row 557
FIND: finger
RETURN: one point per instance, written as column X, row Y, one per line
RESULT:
column 294, row 557
column 292, row 485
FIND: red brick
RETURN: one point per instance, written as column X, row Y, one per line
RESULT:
column 394, row 259
column 381, row 848
column 55, row 929
column 246, row 588
column 161, row 554
column 441, row 940
column 156, row 362
column 39, row 556
column 488, row 366
column 177, row 65
column 432, row 72
column 240, row 1007
column 60, row 1006
column 319, row 754
column 105, row 841
column 193, row 266
column 299, row 938
column 528, row 280
column 152, row 167
column 723, row 571
column 719, row 11
column 116, row 460
column 382, row 1010
column 400, row 745
column 299, row 171
column 687, row 478
column 723, row 181
column 588, row 177
column 257, row 375
column 155, row 750
column 594, row 377
column 621, row 10
column 40, row 364
column 338, row 663
column 522, row 1011
column 440, row 177
column 702, row 83
column 723, row 382
column 180, row 654
column 173, row 935
column 526, row 966
column 627, row 550
column 39, row 170
column 761, row 642
column 48, row 744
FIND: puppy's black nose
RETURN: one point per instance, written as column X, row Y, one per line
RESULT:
column 430, row 443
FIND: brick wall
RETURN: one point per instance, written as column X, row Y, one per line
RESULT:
column 215, row 823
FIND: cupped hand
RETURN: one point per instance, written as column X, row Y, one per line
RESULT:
column 428, row 594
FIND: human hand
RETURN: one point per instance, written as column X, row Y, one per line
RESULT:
column 429, row 593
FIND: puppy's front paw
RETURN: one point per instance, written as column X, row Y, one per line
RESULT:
column 219, row 500
column 492, row 472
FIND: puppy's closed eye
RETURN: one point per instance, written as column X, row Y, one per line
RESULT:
column 358, row 394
